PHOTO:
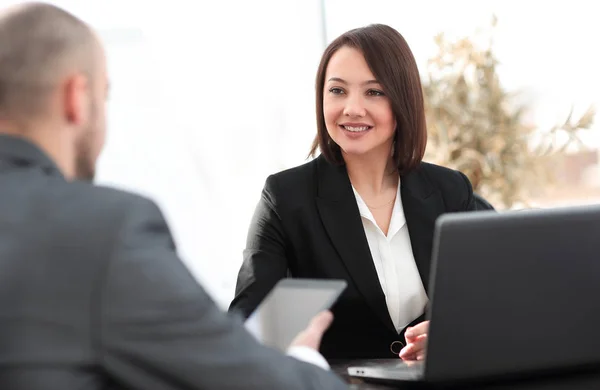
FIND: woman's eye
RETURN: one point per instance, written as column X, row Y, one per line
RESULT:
column 336, row 91
column 374, row 92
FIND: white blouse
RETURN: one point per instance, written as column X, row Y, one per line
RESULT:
column 395, row 264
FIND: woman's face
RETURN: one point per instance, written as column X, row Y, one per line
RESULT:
column 358, row 115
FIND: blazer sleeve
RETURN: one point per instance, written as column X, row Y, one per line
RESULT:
column 158, row 329
column 265, row 260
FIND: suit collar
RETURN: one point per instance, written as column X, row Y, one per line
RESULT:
column 341, row 218
column 416, row 184
column 422, row 205
column 20, row 152
column 334, row 184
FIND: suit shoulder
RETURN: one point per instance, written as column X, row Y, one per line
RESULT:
column 454, row 186
column 105, row 208
column 442, row 176
column 74, row 219
column 104, row 196
column 292, row 180
column 304, row 171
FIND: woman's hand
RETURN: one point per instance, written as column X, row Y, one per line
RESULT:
column 416, row 342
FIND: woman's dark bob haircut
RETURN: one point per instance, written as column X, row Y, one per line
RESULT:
column 392, row 63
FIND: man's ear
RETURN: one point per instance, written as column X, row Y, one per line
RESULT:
column 75, row 96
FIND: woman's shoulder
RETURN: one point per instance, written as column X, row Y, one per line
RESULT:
column 297, row 177
column 453, row 185
column 440, row 174
column 292, row 184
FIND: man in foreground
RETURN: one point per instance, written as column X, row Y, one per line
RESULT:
column 92, row 293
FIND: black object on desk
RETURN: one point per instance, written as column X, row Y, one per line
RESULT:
column 512, row 294
column 573, row 380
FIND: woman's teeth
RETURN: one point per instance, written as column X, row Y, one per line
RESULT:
column 356, row 129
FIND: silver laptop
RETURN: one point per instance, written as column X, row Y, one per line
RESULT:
column 512, row 294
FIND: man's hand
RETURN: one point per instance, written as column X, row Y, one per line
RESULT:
column 311, row 336
column 416, row 342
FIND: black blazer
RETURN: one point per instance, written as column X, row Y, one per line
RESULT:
column 307, row 225
column 94, row 296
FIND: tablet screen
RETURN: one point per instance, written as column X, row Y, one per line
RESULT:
column 289, row 307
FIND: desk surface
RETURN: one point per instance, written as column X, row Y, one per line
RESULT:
column 341, row 368
column 587, row 381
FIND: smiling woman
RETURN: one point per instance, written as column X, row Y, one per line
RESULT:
column 352, row 70
column 364, row 211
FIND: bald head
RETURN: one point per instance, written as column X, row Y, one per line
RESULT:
column 53, row 85
column 40, row 45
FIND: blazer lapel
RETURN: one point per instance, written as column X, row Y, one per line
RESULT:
column 421, row 209
column 340, row 216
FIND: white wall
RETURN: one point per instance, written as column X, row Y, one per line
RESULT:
column 207, row 103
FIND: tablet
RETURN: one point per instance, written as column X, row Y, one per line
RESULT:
column 289, row 307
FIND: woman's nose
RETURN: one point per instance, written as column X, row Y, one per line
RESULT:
column 354, row 107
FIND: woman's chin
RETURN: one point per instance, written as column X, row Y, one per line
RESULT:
column 356, row 152
column 363, row 151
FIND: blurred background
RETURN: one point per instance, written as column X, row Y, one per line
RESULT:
column 210, row 97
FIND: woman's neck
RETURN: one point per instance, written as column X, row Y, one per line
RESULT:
column 372, row 175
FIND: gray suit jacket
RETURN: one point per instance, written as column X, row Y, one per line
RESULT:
column 94, row 296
